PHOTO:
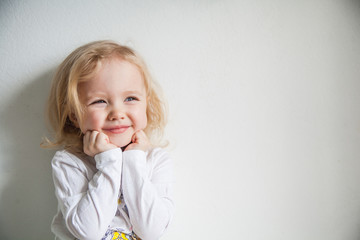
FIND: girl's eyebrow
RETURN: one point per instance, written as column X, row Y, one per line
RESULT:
column 129, row 92
column 92, row 94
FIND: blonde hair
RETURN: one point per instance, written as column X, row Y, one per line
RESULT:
column 81, row 65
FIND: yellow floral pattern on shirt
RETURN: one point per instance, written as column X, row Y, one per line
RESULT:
column 119, row 236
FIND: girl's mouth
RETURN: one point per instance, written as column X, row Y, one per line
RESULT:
column 117, row 130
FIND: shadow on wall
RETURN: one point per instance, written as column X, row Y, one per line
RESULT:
column 27, row 202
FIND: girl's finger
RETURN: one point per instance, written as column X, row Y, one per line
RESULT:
column 134, row 138
column 93, row 137
column 102, row 138
column 140, row 137
column 86, row 137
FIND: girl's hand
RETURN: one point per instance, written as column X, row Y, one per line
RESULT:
column 96, row 142
column 139, row 141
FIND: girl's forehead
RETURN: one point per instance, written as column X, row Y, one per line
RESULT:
column 114, row 75
column 113, row 65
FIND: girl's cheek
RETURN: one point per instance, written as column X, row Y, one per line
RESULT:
column 92, row 121
column 142, row 121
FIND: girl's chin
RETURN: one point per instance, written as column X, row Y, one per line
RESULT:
column 120, row 144
column 121, row 140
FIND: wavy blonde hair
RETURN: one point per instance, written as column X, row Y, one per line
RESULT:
column 81, row 65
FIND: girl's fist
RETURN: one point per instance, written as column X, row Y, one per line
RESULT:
column 95, row 142
column 139, row 141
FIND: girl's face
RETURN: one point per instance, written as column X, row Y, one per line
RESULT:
column 115, row 101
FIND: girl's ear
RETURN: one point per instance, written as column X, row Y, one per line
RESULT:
column 74, row 120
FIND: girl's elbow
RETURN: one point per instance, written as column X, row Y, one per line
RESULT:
column 150, row 235
column 154, row 227
column 151, row 231
column 86, row 231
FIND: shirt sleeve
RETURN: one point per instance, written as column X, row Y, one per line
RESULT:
column 148, row 198
column 88, row 205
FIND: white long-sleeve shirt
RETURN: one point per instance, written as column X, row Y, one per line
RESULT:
column 124, row 191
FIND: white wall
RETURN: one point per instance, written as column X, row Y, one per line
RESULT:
column 264, row 121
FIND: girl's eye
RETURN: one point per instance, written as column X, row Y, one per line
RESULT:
column 129, row 99
column 98, row 101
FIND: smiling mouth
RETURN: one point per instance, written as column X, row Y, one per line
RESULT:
column 117, row 130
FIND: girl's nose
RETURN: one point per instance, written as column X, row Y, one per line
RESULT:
column 116, row 115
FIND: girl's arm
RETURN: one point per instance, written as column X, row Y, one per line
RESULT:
column 88, row 203
column 148, row 199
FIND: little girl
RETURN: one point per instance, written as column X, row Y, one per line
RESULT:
column 110, row 182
